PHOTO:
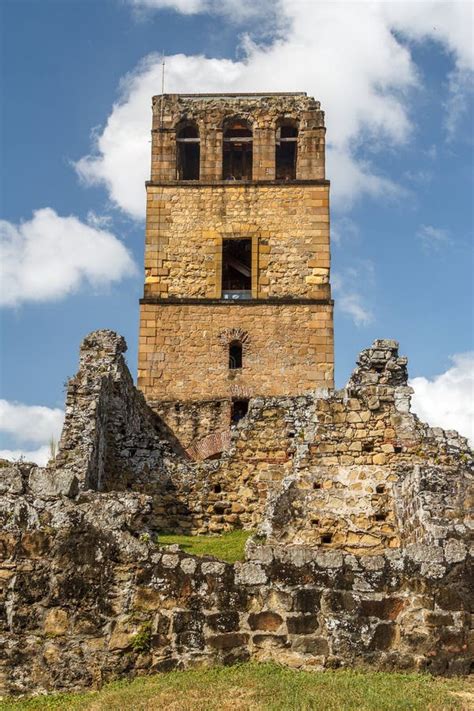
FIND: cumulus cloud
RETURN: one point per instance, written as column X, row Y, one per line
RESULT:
column 343, row 229
column 447, row 400
column 351, row 301
column 39, row 456
column 49, row 256
column 235, row 11
column 355, row 57
column 29, row 425
column 433, row 238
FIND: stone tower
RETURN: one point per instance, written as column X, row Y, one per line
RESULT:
column 237, row 300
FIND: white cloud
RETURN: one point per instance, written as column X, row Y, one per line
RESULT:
column 350, row 299
column 343, row 229
column 460, row 84
column 433, row 238
column 30, row 425
column 39, row 456
column 447, row 400
column 186, row 7
column 235, row 11
column 354, row 57
column 49, row 256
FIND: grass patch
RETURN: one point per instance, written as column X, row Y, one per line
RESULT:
column 228, row 546
column 265, row 687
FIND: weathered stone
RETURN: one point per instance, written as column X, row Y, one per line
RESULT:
column 228, row 641
column 223, row 621
column 303, row 624
column 51, row 483
column 307, row 600
column 317, row 646
column 386, row 609
column 383, row 637
column 250, row 574
column 454, row 550
column 56, row 622
column 266, row 620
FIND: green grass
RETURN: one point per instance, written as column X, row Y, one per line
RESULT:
column 229, row 546
column 265, row 687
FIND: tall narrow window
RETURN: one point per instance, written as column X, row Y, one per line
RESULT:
column 235, row 355
column 237, row 269
column 286, row 152
column 188, row 153
column 237, row 148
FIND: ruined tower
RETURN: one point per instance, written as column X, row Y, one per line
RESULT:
column 237, row 300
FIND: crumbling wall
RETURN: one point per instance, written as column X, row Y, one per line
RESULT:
column 368, row 472
column 87, row 597
column 111, row 438
column 337, row 469
column 231, row 491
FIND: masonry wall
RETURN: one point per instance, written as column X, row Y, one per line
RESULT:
column 195, row 420
column 87, row 595
column 87, row 599
column 263, row 111
column 287, row 329
column 287, row 348
column 288, row 223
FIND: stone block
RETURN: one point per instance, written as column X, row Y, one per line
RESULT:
column 227, row 621
column 266, row 620
column 56, row 622
column 302, row 624
column 227, row 641
column 53, row 483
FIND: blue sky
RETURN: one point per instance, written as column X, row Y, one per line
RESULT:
column 395, row 80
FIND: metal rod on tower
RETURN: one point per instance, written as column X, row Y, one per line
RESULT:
column 162, row 86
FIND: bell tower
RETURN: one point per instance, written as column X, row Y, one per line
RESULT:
column 237, row 300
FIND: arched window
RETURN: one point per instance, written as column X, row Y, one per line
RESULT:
column 235, row 355
column 237, row 151
column 188, row 153
column 286, row 148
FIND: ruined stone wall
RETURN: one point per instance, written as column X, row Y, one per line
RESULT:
column 87, row 598
column 286, row 348
column 194, row 421
column 231, row 491
column 356, row 480
column 110, row 438
column 343, row 470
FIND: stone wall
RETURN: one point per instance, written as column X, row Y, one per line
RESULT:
column 328, row 468
column 110, row 438
column 210, row 111
column 284, row 316
column 288, row 224
column 87, row 597
column 286, row 348
column 193, row 421
column 359, row 465
column 362, row 554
